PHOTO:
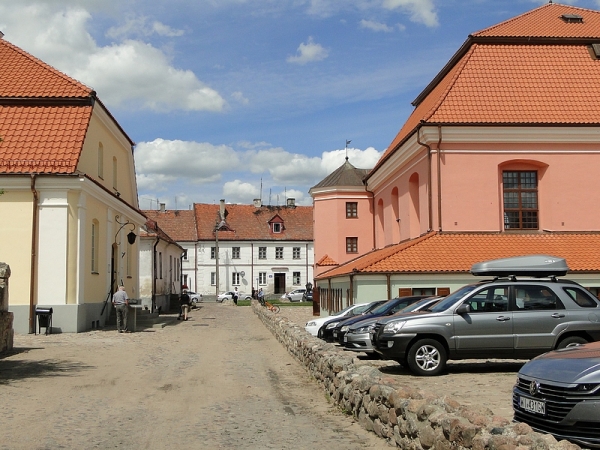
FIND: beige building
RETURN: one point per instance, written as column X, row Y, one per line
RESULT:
column 69, row 197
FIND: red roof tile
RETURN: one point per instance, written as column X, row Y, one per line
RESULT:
column 251, row 223
column 535, row 69
column 180, row 225
column 457, row 252
column 326, row 261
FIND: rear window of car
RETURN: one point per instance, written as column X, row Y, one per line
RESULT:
column 582, row 297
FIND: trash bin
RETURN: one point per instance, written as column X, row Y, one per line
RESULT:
column 44, row 319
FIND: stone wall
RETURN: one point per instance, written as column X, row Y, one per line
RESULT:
column 6, row 318
column 405, row 417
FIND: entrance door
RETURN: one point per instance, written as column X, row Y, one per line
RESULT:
column 279, row 282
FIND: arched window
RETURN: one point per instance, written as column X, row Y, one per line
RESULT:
column 115, row 172
column 95, row 238
column 100, row 160
column 414, row 207
column 396, row 216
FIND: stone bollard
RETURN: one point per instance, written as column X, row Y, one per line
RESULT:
column 6, row 318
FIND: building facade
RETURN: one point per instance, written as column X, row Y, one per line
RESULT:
column 497, row 159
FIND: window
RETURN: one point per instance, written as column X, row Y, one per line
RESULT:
column 185, row 255
column 493, row 299
column 235, row 277
column 351, row 245
column 278, row 252
column 351, row 210
column 213, row 278
column 95, row 241
column 235, row 253
column 115, row 172
column 262, row 278
column 128, row 261
column 276, row 228
column 100, row 160
column 185, row 277
column 423, row 291
column 520, row 200
column 262, row 252
column 160, row 265
column 170, row 270
column 296, row 278
column 536, row 298
column 581, row 297
column 213, row 252
column 296, row 252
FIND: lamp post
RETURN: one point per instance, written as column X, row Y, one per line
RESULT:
column 131, row 236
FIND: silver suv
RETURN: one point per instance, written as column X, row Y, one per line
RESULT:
column 501, row 318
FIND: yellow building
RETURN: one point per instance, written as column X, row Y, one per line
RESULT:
column 69, row 197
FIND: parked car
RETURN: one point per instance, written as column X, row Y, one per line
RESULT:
column 195, row 297
column 385, row 309
column 229, row 295
column 559, row 393
column 326, row 330
column 294, row 296
column 308, row 296
column 314, row 325
column 358, row 338
column 507, row 317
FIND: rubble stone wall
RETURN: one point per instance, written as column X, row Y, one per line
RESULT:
column 404, row 416
column 6, row 318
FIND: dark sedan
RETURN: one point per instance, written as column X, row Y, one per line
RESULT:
column 559, row 393
column 326, row 331
column 386, row 309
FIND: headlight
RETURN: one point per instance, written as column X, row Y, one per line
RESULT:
column 331, row 325
column 394, row 327
column 311, row 324
column 364, row 329
column 344, row 328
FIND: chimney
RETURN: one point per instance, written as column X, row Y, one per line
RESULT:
column 291, row 202
column 257, row 202
column 222, row 210
column 162, row 207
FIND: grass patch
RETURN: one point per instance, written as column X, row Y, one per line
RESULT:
column 277, row 302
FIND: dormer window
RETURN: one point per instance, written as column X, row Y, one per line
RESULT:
column 276, row 224
column 276, row 228
column 572, row 18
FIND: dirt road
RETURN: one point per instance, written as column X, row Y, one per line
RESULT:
column 217, row 381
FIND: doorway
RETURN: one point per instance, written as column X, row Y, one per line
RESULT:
column 279, row 283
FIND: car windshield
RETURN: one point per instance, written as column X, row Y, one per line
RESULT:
column 382, row 309
column 419, row 304
column 343, row 311
column 362, row 308
column 452, row 298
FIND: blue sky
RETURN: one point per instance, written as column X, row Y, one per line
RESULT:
column 225, row 96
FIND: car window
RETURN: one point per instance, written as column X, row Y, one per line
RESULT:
column 582, row 297
column 492, row 299
column 360, row 309
column 381, row 309
column 536, row 298
column 450, row 300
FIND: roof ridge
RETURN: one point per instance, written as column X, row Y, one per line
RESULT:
column 47, row 66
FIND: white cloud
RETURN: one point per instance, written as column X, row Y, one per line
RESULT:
column 375, row 26
column 361, row 159
column 142, row 27
column 131, row 72
column 421, row 11
column 308, row 52
column 240, row 192
column 239, row 97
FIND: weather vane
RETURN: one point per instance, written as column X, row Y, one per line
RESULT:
column 347, row 142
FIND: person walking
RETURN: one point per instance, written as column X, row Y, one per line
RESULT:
column 261, row 296
column 121, row 303
column 184, row 303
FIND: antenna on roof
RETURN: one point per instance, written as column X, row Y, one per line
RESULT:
column 261, row 189
column 347, row 142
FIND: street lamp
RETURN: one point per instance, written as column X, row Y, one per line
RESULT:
column 130, row 236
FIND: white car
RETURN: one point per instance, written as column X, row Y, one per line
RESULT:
column 229, row 295
column 294, row 296
column 312, row 326
column 195, row 298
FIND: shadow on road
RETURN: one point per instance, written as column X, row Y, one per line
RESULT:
column 14, row 370
column 482, row 367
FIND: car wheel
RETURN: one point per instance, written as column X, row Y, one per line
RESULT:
column 427, row 357
column 320, row 333
column 571, row 341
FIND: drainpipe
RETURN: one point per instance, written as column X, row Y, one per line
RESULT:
column 154, row 274
column 32, row 275
column 389, row 286
column 439, row 177
column 429, row 196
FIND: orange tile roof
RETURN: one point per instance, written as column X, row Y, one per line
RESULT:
column 456, row 252
column 152, row 230
column 24, row 76
column 326, row 261
column 180, row 225
column 251, row 223
column 42, row 139
column 535, row 69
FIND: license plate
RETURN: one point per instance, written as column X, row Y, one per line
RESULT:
column 345, row 338
column 335, row 334
column 533, row 406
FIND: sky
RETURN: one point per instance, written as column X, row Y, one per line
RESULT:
column 247, row 99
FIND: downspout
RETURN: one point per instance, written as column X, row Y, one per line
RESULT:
column 389, row 286
column 439, row 177
column 154, row 273
column 429, row 184
column 252, row 268
column 307, row 280
column 34, row 233
column 195, row 267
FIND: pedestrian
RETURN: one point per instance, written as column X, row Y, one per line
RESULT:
column 261, row 296
column 184, row 303
column 253, row 293
column 235, row 296
column 121, row 303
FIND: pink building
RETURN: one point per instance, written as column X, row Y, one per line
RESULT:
column 499, row 158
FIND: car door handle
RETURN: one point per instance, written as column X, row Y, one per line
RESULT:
column 502, row 318
column 557, row 316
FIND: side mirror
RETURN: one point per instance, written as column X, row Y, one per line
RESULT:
column 463, row 309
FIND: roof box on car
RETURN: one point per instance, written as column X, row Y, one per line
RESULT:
column 530, row 265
